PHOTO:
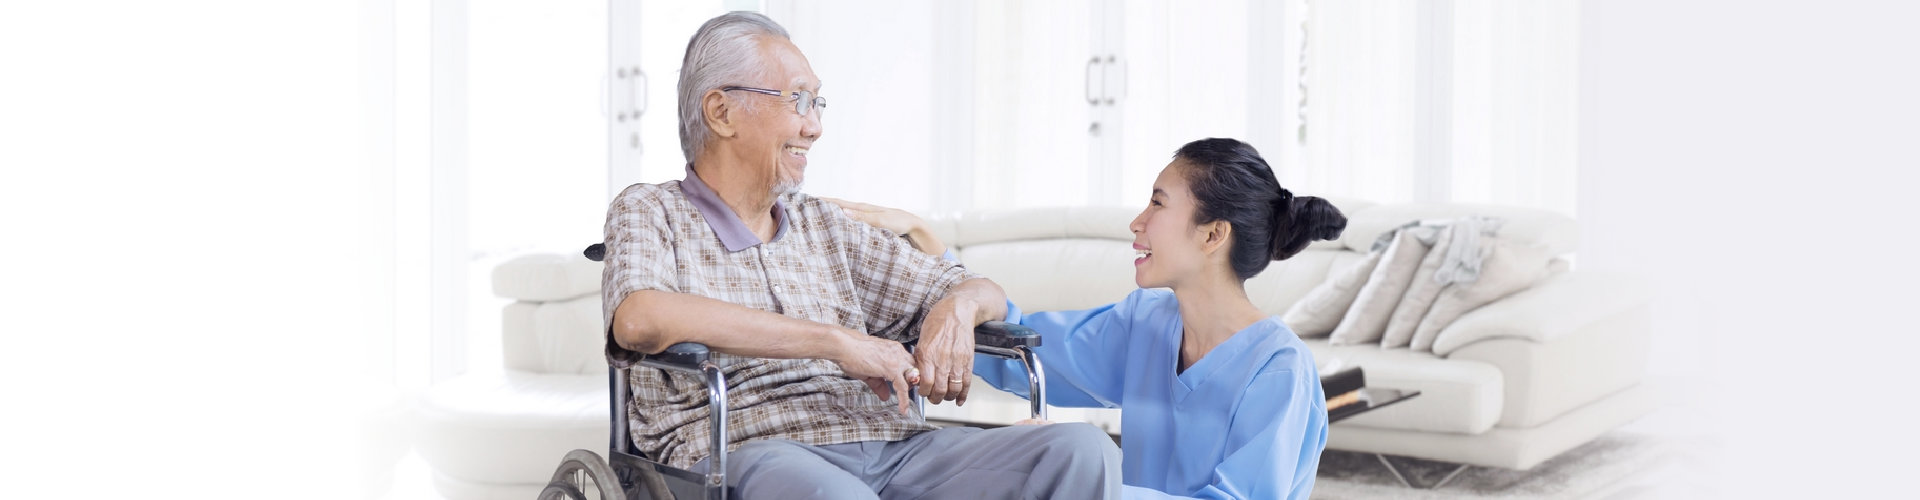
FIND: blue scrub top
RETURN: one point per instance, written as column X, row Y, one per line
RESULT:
column 1248, row 420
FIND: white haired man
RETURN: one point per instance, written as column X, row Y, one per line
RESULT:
column 805, row 308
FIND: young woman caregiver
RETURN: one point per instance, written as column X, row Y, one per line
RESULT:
column 1218, row 399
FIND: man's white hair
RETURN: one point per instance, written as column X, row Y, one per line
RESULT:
column 722, row 53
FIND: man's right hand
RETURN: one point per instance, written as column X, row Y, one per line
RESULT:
column 883, row 364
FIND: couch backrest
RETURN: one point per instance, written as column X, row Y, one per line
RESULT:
column 1059, row 258
column 554, row 323
column 1047, row 259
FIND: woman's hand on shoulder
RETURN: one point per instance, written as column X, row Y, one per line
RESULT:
column 898, row 221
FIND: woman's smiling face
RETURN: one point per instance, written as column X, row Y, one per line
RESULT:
column 1167, row 242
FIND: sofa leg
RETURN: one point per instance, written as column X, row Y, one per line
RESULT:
column 1457, row 469
column 1449, row 477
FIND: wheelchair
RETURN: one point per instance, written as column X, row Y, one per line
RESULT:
column 626, row 473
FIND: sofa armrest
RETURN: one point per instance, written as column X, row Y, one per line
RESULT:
column 1557, row 306
column 546, row 278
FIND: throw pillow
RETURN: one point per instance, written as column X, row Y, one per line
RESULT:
column 1421, row 293
column 1508, row 268
column 1316, row 314
column 1366, row 320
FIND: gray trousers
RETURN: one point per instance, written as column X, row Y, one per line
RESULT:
column 1064, row 460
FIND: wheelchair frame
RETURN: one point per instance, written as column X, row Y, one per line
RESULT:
column 627, row 474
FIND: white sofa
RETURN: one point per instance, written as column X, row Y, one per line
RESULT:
column 1519, row 381
column 1508, row 385
column 498, row 434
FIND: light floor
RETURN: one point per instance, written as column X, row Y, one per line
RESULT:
column 1658, row 456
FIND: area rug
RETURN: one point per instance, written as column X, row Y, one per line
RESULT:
column 1620, row 465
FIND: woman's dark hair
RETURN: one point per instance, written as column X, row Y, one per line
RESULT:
column 1232, row 183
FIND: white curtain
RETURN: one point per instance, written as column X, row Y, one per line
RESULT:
column 984, row 105
column 1515, row 80
column 1359, row 134
column 1489, row 118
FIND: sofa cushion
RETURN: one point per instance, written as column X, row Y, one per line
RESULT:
column 996, row 226
column 1459, row 396
column 554, row 337
column 1562, row 303
column 1056, row 275
column 511, row 427
column 547, row 277
column 1545, row 380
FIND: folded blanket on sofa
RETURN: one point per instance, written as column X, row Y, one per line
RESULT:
column 1415, row 281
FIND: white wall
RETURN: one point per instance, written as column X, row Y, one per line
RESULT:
column 179, row 192
column 1758, row 160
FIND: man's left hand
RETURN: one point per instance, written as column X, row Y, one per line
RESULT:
column 945, row 351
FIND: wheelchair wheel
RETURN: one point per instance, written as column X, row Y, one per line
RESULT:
column 558, row 490
column 579, row 468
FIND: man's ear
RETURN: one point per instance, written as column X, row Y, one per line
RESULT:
column 1218, row 232
column 718, row 113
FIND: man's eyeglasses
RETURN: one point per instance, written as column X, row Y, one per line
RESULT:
column 803, row 101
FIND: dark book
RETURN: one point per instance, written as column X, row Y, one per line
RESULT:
column 1343, row 381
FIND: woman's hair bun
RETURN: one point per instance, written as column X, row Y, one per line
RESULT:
column 1310, row 219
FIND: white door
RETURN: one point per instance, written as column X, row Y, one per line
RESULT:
column 1032, row 119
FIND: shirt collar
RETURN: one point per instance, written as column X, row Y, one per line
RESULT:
column 733, row 232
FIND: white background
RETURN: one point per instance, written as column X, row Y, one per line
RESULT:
column 1759, row 159
column 179, row 183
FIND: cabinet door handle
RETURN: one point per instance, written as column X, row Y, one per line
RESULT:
column 634, row 82
column 1091, row 100
column 637, row 92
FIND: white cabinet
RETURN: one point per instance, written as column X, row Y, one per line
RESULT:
column 1126, row 81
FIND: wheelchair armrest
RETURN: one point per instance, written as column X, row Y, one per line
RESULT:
column 998, row 338
column 992, row 337
column 1005, row 340
column 684, row 356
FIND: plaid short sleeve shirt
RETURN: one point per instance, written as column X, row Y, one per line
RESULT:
column 821, row 266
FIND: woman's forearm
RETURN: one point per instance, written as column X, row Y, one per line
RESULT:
column 922, row 239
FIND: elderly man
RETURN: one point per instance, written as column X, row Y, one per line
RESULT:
column 806, row 308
